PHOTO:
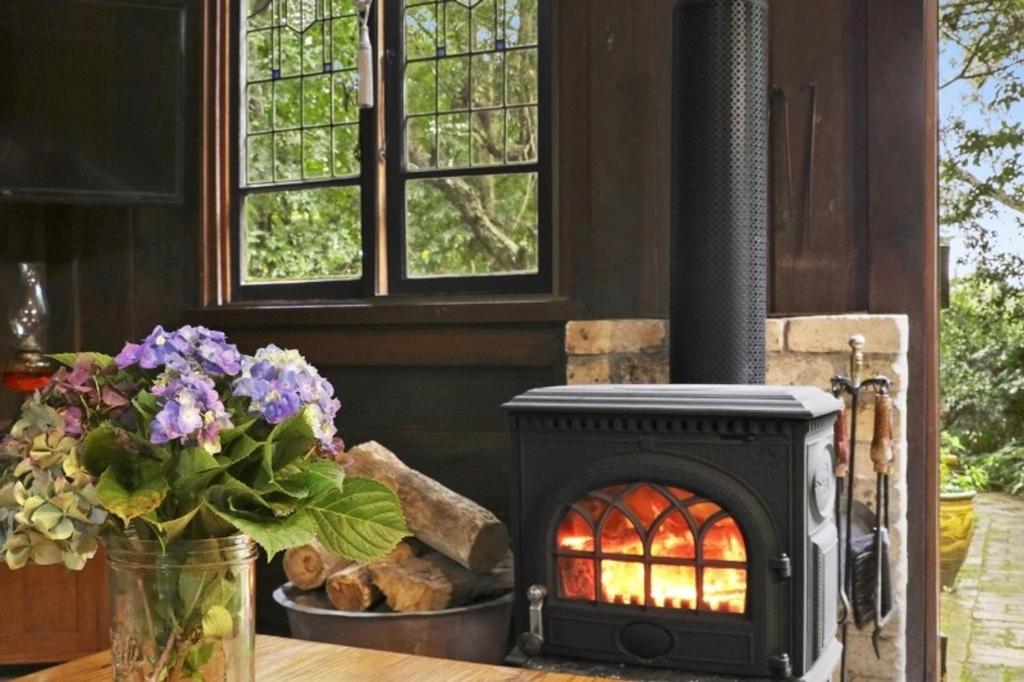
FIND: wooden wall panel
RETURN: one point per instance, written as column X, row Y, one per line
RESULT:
column 620, row 232
column 53, row 614
column 819, row 240
column 902, row 79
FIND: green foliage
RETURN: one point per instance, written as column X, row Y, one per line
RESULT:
column 1004, row 469
column 982, row 345
column 954, row 474
column 69, row 359
column 358, row 521
column 982, row 169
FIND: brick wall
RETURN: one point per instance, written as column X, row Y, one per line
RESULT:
column 804, row 351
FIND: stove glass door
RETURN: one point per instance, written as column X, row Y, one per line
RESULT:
column 645, row 544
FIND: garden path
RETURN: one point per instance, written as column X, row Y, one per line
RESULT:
column 984, row 616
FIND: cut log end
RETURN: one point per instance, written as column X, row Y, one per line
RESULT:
column 308, row 566
column 352, row 589
column 490, row 547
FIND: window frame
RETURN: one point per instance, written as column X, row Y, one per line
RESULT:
column 397, row 176
column 367, row 181
column 383, row 219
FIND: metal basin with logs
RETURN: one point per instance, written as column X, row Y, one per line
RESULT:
column 478, row 632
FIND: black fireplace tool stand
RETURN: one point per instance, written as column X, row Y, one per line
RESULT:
column 865, row 587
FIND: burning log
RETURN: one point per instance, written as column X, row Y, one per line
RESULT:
column 435, row 582
column 308, row 566
column 352, row 588
column 449, row 523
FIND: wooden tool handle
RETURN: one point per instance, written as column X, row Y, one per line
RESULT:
column 881, row 442
column 841, row 436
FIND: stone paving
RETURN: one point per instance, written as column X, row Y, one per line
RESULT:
column 983, row 617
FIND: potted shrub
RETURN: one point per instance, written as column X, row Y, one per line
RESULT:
column 182, row 455
column 959, row 484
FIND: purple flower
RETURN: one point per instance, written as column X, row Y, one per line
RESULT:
column 72, row 417
column 77, row 381
column 190, row 411
column 280, row 384
column 182, row 350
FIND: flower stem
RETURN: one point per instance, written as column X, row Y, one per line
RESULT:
column 154, row 675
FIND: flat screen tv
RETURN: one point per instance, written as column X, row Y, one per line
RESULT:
column 92, row 100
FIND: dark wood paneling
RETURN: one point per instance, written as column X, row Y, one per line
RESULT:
column 903, row 277
column 451, row 346
column 818, row 168
column 620, row 239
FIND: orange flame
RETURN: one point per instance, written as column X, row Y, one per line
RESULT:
column 623, row 575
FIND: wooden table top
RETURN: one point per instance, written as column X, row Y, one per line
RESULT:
column 283, row 660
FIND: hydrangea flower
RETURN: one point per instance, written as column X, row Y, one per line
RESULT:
column 280, row 384
column 49, row 509
column 182, row 350
column 190, row 410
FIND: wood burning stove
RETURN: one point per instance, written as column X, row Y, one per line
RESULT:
column 683, row 527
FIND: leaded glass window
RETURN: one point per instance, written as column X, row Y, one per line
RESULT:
column 470, row 119
column 301, row 217
column 453, row 167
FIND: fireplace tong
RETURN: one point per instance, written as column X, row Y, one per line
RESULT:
column 865, row 588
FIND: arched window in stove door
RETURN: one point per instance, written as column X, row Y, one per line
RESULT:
column 645, row 544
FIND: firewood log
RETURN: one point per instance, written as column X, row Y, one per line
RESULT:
column 352, row 589
column 447, row 522
column 308, row 566
column 435, row 582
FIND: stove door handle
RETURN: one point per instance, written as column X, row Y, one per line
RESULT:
column 532, row 642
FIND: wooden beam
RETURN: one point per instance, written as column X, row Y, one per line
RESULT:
column 214, row 252
column 903, row 276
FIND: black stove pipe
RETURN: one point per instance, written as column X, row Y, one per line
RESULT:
column 719, row 191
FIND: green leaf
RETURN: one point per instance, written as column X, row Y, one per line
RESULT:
column 290, row 440
column 198, row 655
column 69, row 359
column 192, row 461
column 145, row 403
column 229, row 435
column 173, row 529
column 239, row 449
column 272, row 534
column 317, row 475
column 217, row 622
column 130, row 490
column 362, row 521
column 100, row 449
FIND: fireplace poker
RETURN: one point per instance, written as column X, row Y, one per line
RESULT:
column 882, row 456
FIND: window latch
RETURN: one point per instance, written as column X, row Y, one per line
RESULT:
column 382, row 152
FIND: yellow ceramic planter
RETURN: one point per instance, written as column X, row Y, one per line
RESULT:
column 956, row 528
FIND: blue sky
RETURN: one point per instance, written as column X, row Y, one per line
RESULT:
column 956, row 100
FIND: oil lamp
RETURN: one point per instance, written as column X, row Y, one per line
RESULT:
column 28, row 316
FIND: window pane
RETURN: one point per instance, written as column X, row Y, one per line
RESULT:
column 485, row 25
column 421, row 31
column 346, row 85
column 297, row 235
column 258, row 51
column 476, row 55
column 476, row 225
column 300, row 92
column 521, row 131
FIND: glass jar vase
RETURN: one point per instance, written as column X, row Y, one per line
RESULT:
column 184, row 612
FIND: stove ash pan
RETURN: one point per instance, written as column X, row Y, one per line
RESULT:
column 682, row 527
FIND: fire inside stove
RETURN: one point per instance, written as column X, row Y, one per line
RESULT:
column 652, row 545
